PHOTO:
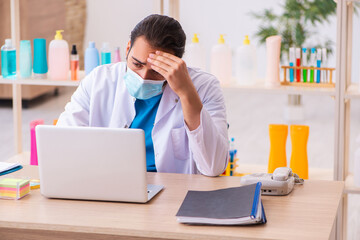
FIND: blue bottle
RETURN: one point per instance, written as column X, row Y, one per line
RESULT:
column 105, row 54
column 8, row 60
column 91, row 58
column 25, row 59
column 40, row 61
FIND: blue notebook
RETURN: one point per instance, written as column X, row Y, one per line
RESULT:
column 229, row 206
column 6, row 168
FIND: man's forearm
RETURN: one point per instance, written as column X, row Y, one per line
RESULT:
column 191, row 106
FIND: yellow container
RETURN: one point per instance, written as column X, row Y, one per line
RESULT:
column 278, row 135
column 299, row 160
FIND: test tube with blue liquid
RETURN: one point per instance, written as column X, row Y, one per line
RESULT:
column 291, row 63
column 318, row 64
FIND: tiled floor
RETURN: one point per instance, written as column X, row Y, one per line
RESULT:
column 248, row 116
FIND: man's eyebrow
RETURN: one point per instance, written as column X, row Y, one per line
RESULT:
column 138, row 61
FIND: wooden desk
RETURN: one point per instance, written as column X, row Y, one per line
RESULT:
column 307, row 213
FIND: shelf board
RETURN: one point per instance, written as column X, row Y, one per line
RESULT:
column 350, row 186
column 44, row 82
column 281, row 89
column 352, row 91
column 257, row 88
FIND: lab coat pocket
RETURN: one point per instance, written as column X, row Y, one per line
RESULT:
column 180, row 143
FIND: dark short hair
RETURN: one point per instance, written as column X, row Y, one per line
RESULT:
column 161, row 32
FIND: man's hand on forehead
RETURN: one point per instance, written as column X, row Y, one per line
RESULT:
column 174, row 70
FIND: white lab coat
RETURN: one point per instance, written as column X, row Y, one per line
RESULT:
column 102, row 100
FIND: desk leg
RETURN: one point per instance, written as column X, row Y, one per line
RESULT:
column 341, row 220
column 344, row 216
column 17, row 117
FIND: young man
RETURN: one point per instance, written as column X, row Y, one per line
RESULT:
column 181, row 109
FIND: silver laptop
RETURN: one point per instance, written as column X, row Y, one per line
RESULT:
column 93, row 163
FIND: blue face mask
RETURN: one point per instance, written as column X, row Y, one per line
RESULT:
column 140, row 88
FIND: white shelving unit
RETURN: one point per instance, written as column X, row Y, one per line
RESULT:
column 347, row 92
column 261, row 88
column 343, row 94
column 44, row 82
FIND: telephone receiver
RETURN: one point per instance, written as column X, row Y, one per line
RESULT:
column 280, row 182
column 283, row 174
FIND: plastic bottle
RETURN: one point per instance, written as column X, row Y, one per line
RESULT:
column 74, row 64
column 105, row 54
column 59, row 58
column 299, row 159
column 91, row 58
column 25, row 59
column 246, row 68
column 117, row 57
column 357, row 163
column 195, row 54
column 33, row 152
column 273, row 47
column 40, row 66
column 221, row 61
column 8, row 60
column 277, row 158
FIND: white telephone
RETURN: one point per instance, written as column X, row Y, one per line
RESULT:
column 281, row 182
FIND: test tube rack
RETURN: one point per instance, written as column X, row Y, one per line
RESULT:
column 329, row 83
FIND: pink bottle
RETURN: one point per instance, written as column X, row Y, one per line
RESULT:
column 59, row 59
column 33, row 151
column 117, row 57
column 273, row 45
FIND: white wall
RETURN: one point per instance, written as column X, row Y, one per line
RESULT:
column 112, row 21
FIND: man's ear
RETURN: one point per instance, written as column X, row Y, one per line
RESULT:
column 128, row 48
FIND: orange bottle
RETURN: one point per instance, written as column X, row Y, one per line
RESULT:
column 278, row 135
column 299, row 160
column 74, row 64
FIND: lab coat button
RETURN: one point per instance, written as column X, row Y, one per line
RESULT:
column 126, row 126
column 176, row 100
